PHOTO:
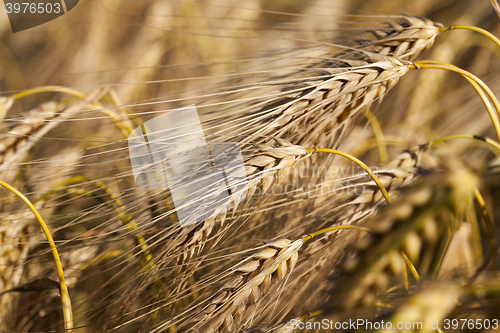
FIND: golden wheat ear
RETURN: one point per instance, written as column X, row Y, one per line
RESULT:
column 320, row 113
column 406, row 38
column 253, row 277
column 12, row 139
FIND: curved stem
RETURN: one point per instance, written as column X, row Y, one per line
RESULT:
column 379, row 135
column 405, row 278
column 475, row 29
column 490, row 142
column 338, row 227
column 124, row 128
column 66, row 302
column 120, row 210
column 115, row 99
column 489, row 227
column 311, row 315
column 358, row 162
column 59, row 89
column 476, row 83
column 410, row 265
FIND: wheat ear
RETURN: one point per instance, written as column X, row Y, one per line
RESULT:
column 13, row 139
column 319, row 114
column 21, row 148
column 405, row 40
column 322, row 109
column 252, row 278
column 16, row 235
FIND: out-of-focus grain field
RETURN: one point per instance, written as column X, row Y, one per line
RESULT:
column 372, row 174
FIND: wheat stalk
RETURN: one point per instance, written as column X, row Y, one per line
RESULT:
column 481, row 88
column 413, row 226
column 124, row 124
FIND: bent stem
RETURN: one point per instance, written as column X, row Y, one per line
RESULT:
column 490, row 142
column 115, row 99
column 479, row 198
column 119, row 208
column 478, row 85
column 122, row 126
column 338, row 227
column 358, row 162
column 66, row 302
column 475, row 29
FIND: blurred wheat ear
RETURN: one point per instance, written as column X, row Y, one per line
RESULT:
column 266, row 258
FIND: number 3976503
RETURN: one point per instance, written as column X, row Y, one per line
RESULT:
column 33, row 8
column 470, row 324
